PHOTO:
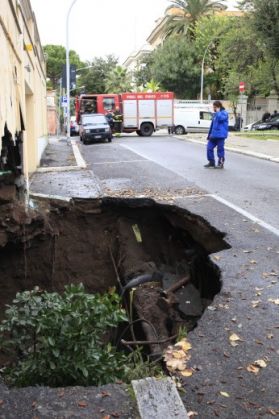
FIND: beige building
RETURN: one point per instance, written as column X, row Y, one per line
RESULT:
column 23, row 109
column 133, row 61
column 158, row 34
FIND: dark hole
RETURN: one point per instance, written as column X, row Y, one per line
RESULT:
column 93, row 242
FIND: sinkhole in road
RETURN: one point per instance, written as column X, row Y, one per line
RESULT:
column 159, row 251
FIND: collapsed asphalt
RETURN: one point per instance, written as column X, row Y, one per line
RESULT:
column 250, row 268
column 247, row 306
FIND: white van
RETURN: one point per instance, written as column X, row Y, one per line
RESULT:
column 193, row 119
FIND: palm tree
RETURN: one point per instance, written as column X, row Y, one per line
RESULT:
column 184, row 14
column 118, row 80
column 152, row 86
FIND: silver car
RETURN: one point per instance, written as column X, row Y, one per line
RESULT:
column 94, row 127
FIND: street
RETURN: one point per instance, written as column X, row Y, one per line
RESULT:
column 246, row 305
column 161, row 168
column 249, row 183
column 138, row 279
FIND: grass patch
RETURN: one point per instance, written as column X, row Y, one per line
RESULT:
column 257, row 135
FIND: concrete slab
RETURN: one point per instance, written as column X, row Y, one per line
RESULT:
column 158, row 399
column 78, row 184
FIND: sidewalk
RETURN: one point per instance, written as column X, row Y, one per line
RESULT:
column 63, row 173
column 262, row 149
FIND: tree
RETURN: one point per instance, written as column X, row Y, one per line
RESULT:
column 208, row 35
column 118, row 81
column 184, row 15
column 176, row 66
column 234, row 54
column 265, row 17
column 56, row 58
column 152, row 86
column 234, row 63
column 142, row 74
column 94, row 79
column 251, row 63
column 265, row 76
column 265, row 21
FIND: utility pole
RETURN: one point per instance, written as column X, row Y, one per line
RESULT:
column 68, row 70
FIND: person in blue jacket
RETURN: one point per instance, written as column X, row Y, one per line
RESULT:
column 217, row 134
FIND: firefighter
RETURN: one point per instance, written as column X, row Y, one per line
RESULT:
column 109, row 116
column 117, row 121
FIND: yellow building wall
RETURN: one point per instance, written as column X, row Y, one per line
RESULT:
column 22, row 80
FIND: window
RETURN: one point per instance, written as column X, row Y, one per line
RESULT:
column 94, row 120
column 207, row 116
column 109, row 103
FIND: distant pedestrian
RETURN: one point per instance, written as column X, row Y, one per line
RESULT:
column 275, row 113
column 218, row 132
column 238, row 122
column 266, row 117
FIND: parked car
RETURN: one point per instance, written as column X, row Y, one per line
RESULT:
column 74, row 128
column 94, row 127
column 272, row 124
column 251, row 127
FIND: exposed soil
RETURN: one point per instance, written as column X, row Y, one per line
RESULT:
column 106, row 243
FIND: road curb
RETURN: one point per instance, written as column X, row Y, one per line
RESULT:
column 236, row 150
column 79, row 159
column 49, row 196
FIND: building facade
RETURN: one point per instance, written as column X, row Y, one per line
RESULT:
column 133, row 61
column 158, row 35
column 23, row 104
column 52, row 114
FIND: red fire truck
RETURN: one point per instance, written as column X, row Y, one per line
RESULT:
column 142, row 112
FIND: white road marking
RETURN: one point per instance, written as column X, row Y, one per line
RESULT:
column 234, row 150
column 218, row 198
column 246, row 214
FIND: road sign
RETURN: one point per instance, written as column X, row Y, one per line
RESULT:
column 64, row 101
column 242, row 86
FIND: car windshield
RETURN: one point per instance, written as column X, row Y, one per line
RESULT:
column 94, row 120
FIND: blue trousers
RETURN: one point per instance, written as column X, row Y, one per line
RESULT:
column 211, row 144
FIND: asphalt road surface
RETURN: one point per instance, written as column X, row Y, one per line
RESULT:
column 249, row 183
column 248, row 302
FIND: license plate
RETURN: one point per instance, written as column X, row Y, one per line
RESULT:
column 98, row 136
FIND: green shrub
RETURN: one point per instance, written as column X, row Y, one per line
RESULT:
column 61, row 340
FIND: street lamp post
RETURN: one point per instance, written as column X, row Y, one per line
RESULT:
column 68, row 69
column 202, row 69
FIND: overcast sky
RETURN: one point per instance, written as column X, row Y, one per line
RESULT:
column 99, row 28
